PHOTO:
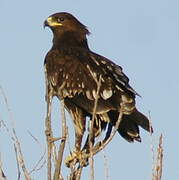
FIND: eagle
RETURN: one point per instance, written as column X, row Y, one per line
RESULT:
column 73, row 73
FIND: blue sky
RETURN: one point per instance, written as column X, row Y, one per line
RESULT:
column 141, row 36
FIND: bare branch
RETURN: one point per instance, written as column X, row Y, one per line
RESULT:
column 157, row 175
column 78, row 173
column 18, row 168
column 48, row 131
column 21, row 157
column 152, row 147
column 57, row 174
column 98, row 147
column 35, row 139
column 2, row 175
column 37, row 165
column 106, row 166
column 15, row 139
column 91, row 135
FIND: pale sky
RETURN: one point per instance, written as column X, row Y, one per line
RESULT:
column 141, row 36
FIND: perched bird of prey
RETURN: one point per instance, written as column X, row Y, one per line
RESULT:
column 73, row 73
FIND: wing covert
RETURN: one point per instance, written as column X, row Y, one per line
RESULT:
column 78, row 71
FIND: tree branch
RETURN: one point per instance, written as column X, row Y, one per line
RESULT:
column 157, row 174
column 57, row 174
column 2, row 175
column 48, row 131
column 91, row 134
column 15, row 139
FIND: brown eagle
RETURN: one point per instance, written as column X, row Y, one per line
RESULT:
column 73, row 72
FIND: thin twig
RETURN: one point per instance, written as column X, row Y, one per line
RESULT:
column 78, row 173
column 48, row 131
column 157, row 175
column 18, row 168
column 7, row 130
column 98, row 147
column 54, row 153
column 106, row 166
column 36, row 140
column 101, row 145
column 160, row 158
column 2, row 175
column 91, row 135
column 72, row 173
column 15, row 149
column 152, row 147
column 37, row 167
column 41, row 166
column 57, row 174
column 75, row 173
column 21, row 157
column 15, row 138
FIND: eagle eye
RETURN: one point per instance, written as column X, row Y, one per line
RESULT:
column 60, row 19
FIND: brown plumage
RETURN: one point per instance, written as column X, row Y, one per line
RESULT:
column 73, row 72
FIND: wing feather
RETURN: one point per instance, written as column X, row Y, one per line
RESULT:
column 78, row 72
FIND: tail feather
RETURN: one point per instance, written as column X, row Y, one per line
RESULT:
column 128, row 127
column 141, row 120
column 129, row 130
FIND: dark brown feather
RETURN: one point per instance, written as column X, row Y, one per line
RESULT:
column 73, row 72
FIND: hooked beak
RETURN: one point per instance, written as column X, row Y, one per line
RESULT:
column 45, row 24
column 50, row 22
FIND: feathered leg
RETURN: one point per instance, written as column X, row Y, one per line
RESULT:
column 79, row 121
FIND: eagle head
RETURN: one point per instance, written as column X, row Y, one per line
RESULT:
column 65, row 22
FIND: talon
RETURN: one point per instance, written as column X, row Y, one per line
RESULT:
column 84, row 162
column 70, row 159
column 77, row 157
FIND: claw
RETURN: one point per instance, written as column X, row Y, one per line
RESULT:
column 77, row 157
column 70, row 159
